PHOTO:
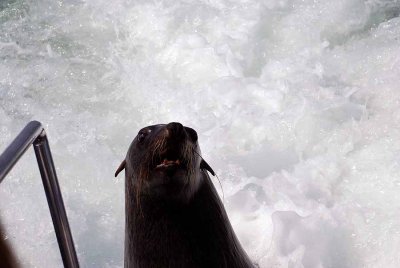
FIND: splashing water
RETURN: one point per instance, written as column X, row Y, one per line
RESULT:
column 296, row 104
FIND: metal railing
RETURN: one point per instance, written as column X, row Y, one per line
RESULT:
column 34, row 134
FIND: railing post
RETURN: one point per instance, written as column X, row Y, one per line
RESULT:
column 55, row 201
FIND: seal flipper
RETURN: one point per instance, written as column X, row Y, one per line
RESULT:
column 120, row 168
column 206, row 166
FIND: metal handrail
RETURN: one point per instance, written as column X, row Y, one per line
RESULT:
column 34, row 134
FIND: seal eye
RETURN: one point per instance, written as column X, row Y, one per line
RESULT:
column 142, row 135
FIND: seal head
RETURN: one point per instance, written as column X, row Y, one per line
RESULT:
column 174, row 217
column 164, row 161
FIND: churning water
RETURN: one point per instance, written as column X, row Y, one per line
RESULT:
column 297, row 106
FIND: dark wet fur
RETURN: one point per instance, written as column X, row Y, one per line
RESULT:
column 196, row 234
column 163, row 231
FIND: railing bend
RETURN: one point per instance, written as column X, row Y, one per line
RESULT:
column 34, row 134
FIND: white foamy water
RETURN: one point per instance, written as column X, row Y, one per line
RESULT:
column 296, row 104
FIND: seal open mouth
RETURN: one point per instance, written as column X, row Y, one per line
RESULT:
column 168, row 163
column 170, row 158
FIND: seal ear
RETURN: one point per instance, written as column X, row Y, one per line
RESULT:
column 120, row 168
column 206, row 166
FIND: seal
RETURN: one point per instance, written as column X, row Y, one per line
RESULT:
column 173, row 214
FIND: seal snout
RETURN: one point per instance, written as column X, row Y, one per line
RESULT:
column 175, row 130
column 170, row 154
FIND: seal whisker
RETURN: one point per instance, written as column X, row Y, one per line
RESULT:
column 222, row 189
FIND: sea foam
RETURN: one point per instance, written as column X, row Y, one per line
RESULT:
column 296, row 104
